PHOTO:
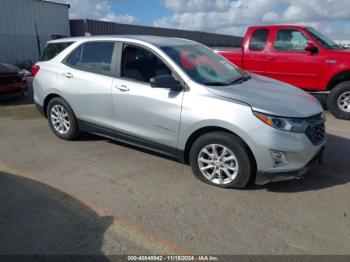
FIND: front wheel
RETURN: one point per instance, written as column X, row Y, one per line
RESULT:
column 338, row 101
column 221, row 159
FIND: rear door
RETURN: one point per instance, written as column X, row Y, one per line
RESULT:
column 254, row 56
column 86, row 78
column 289, row 62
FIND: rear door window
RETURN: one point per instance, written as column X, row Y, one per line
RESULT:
column 95, row 57
column 53, row 49
column 259, row 40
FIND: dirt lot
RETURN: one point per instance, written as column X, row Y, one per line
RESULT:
column 94, row 196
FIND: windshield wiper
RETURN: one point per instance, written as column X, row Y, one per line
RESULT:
column 236, row 81
column 240, row 79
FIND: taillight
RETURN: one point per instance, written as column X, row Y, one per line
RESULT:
column 35, row 70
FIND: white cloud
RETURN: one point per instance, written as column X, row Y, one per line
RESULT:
column 96, row 9
column 270, row 17
column 233, row 16
column 184, row 6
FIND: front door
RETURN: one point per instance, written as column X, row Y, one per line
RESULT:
column 150, row 115
column 289, row 62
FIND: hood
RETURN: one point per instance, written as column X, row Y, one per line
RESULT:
column 342, row 52
column 271, row 97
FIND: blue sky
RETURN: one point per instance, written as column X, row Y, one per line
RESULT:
column 147, row 11
column 220, row 16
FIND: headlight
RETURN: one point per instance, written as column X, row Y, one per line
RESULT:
column 297, row 125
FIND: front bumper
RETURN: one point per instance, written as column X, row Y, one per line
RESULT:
column 15, row 88
column 12, row 94
column 263, row 178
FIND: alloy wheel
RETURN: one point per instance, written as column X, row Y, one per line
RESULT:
column 60, row 119
column 218, row 164
column 344, row 102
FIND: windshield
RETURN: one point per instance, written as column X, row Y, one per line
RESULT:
column 203, row 65
column 323, row 40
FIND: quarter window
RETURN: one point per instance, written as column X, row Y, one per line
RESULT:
column 290, row 40
column 259, row 40
column 53, row 49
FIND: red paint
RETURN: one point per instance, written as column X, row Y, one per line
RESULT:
column 312, row 71
column 35, row 70
column 12, row 83
column 188, row 62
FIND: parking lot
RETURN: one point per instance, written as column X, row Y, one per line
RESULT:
column 96, row 196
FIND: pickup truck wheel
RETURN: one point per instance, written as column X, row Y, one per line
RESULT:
column 221, row 159
column 62, row 119
column 338, row 101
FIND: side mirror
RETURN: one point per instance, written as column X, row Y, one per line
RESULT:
column 310, row 47
column 166, row 81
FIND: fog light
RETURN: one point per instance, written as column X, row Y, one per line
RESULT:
column 278, row 158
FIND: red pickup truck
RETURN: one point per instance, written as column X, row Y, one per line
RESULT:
column 300, row 56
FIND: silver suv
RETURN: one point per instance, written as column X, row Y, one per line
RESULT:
column 180, row 98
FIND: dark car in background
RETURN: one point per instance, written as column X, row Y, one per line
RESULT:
column 12, row 82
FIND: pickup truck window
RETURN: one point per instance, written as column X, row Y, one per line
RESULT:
column 259, row 40
column 290, row 40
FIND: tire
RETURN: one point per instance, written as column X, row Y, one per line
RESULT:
column 338, row 101
column 24, row 93
column 59, row 111
column 241, row 161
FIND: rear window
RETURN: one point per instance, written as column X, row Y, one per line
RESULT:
column 259, row 40
column 53, row 49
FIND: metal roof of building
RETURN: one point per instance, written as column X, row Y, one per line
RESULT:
column 53, row 2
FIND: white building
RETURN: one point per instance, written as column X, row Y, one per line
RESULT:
column 345, row 43
column 26, row 25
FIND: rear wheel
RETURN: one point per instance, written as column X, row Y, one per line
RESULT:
column 338, row 101
column 221, row 159
column 62, row 119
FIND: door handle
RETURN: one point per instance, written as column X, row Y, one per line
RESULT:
column 68, row 75
column 123, row 88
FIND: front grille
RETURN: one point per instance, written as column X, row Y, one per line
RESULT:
column 8, row 80
column 316, row 130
